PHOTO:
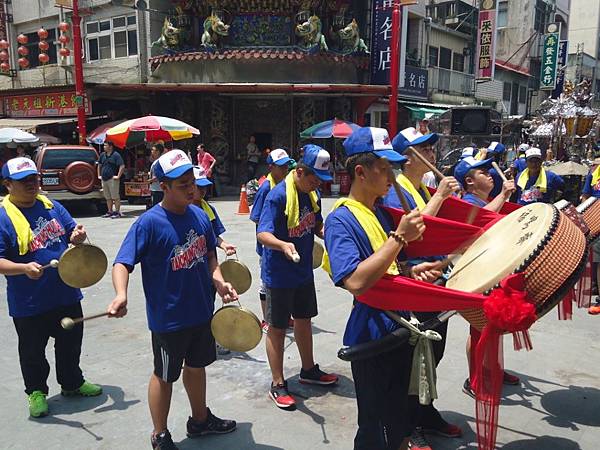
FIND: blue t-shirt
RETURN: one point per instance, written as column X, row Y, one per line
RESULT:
column 257, row 206
column 173, row 251
column 52, row 230
column 110, row 165
column 532, row 194
column 588, row 189
column 474, row 200
column 217, row 225
column 498, row 182
column 348, row 245
column 277, row 271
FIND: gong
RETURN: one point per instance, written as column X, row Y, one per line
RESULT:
column 236, row 328
column 82, row 265
column 236, row 273
column 318, row 252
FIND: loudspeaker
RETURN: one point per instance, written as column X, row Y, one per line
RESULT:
column 471, row 121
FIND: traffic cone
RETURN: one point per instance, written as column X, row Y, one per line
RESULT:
column 243, row 207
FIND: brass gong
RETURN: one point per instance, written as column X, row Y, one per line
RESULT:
column 82, row 265
column 318, row 251
column 236, row 328
column 236, row 273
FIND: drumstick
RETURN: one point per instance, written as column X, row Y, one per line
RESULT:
column 497, row 167
column 67, row 323
column 53, row 264
column 405, row 205
column 425, row 161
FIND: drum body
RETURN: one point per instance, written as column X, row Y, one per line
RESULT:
column 590, row 211
column 536, row 240
column 236, row 328
column 569, row 210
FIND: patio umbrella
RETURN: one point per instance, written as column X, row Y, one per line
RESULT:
column 98, row 136
column 330, row 128
column 149, row 129
column 16, row 136
column 569, row 168
column 46, row 138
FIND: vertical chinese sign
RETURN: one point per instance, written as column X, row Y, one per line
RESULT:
column 550, row 57
column 562, row 64
column 486, row 40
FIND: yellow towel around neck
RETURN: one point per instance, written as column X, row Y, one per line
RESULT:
column 271, row 181
column 207, row 209
column 22, row 227
column 292, row 204
column 416, row 195
column 596, row 175
column 370, row 225
column 541, row 183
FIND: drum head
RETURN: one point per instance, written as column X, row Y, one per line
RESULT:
column 237, row 274
column 318, row 251
column 236, row 328
column 82, row 266
column 502, row 249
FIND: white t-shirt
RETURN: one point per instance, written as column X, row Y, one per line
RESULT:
column 429, row 180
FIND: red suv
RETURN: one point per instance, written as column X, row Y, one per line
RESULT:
column 68, row 173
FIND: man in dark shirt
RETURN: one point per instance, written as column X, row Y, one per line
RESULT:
column 110, row 170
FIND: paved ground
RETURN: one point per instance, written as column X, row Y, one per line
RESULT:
column 556, row 408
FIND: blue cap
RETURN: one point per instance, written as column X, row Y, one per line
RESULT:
column 496, row 148
column 318, row 160
column 201, row 179
column 410, row 136
column 468, row 151
column 172, row 165
column 467, row 164
column 279, row 157
column 372, row 140
column 19, row 168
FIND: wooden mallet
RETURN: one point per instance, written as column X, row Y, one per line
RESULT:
column 53, row 264
column 68, row 323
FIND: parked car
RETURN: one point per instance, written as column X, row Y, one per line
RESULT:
column 68, row 173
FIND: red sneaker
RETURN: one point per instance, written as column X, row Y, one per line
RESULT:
column 445, row 429
column 281, row 397
column 594, row 310
column 418, row 441
column 317, row 376
column 511, row 379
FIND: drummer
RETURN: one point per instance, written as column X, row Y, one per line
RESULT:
column 477, row 184
column 520, row 163
column 279, row 162
column 591, row 188
column 536, row 184
column 495, row 151
column 289, row 221
column 35, row 230
column 419, row 197
column 359, row 258
column 175, row 244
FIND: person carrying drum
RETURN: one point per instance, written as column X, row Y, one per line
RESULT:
column 536, row 184
column 364, row 246
column 279, row 163
column 477, row 184
column 417, row 195
column 289, row 221
column 591, row 188
column 33, row 231
column 175, row 244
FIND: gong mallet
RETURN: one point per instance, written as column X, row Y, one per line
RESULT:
column 68, row 323
column 53, row 264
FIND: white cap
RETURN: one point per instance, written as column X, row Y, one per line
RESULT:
column 172, row 164
column 523, row 147
column 467, row 151
column 533, row 152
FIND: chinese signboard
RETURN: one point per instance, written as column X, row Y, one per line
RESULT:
column 415, row 82
column 486, row 40
column 550, row 57
column 562, row 63
column 41, row 105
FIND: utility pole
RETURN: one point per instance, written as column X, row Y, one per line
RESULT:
column 79, row 86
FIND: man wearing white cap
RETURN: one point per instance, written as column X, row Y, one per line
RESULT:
column 536, row 184
column 519, row 164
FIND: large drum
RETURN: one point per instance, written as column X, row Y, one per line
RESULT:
column 537, row 240
column 590, row 211
column 571, row 212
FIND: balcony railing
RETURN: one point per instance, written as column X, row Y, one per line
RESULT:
column 451, row 82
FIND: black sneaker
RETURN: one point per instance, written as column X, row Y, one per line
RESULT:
column 163, row 441
column 317, row 376
column 418, row 441
column 468, row 389
column 212, row 425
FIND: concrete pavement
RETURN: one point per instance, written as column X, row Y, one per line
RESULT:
column 557, row 407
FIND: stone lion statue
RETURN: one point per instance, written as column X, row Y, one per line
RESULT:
column 169, row 36
column 214, row 30
column 310, row 33
column 350, row 40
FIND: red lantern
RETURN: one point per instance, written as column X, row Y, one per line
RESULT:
column 64, row 52
column 23, row 51
column 44, row 58
column 3, row 55
column 63, row 26
column 23, row 63
column 22, row 39
column 4, row 67
column 63, row 39
column 42, row 33
column 43, row 46
column 3, row 44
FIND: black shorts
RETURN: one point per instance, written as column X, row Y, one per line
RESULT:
column 299, row 302
column 381, row 385
column 195, row 346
